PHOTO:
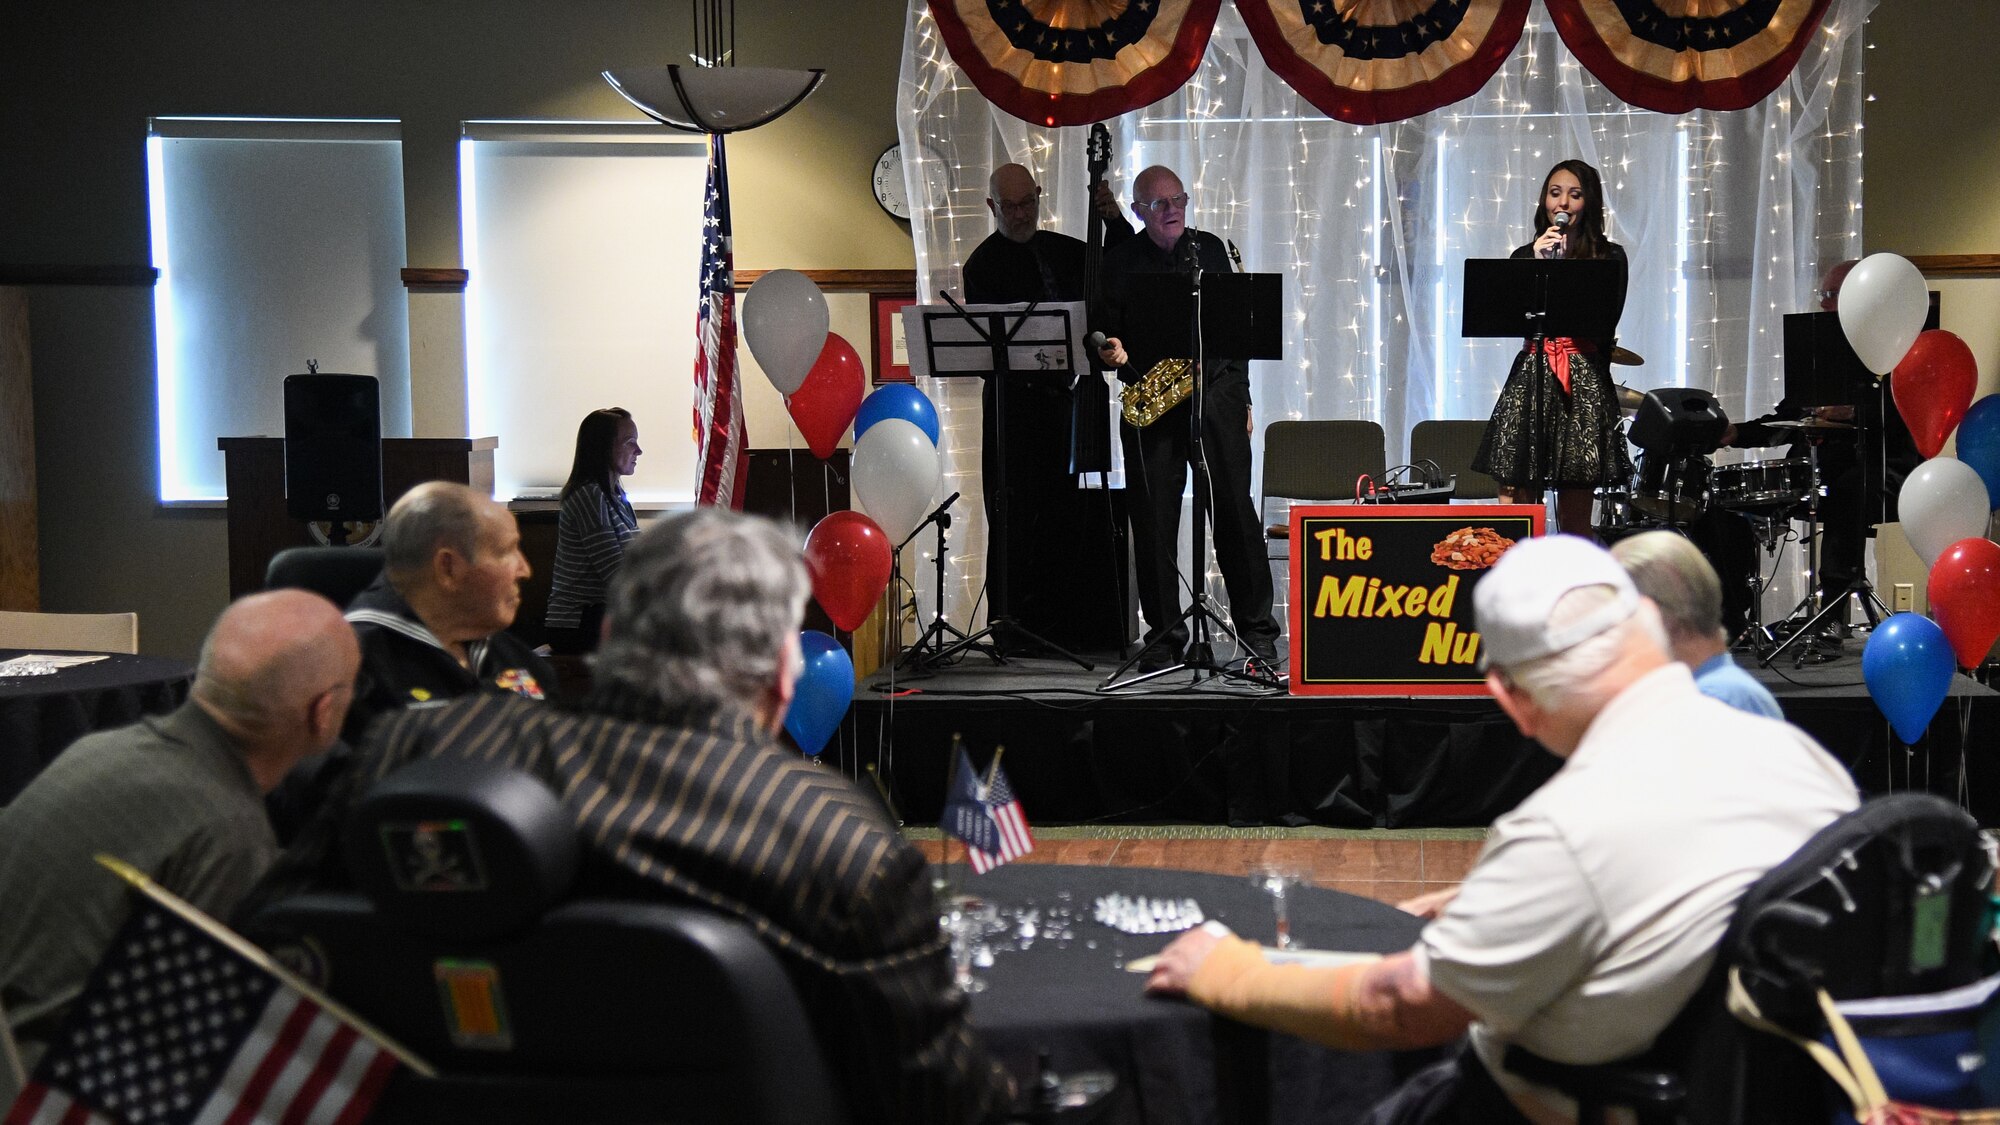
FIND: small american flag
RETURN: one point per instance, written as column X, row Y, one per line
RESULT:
column 987, row 817
column 176, row 1026
column 718, row 400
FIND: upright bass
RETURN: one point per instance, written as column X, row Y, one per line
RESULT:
column 1090, row 406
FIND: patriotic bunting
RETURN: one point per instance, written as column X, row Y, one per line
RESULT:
column 1366, row 62
column 1676, row 57
column 1072, row 62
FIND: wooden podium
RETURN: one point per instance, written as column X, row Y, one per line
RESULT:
column 254, row 470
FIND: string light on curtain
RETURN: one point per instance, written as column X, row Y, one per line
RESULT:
column 714, row 95
column 1370, row 225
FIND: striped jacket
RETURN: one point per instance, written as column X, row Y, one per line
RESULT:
column 711, row 809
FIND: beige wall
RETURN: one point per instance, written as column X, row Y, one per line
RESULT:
column 82, row 79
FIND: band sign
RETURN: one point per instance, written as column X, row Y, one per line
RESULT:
column 1381, row 595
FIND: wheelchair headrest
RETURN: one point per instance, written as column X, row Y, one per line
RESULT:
column 461, row 849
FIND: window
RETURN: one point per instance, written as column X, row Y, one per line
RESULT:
column 277, row 242
column 583, row 241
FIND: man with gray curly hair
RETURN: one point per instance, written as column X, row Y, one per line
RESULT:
column 674, row 770
column 709, row 618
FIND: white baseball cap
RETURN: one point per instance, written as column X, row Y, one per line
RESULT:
column 1514, row 602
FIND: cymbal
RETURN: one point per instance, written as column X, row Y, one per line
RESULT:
column 1809, row 424
column 1627, row 357
column 1628, row 399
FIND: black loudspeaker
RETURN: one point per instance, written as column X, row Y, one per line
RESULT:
column 333, row 447
column 1679, row 420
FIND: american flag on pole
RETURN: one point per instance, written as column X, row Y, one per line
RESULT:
column 987, row 817
column 718, row 391
column 180, row 1023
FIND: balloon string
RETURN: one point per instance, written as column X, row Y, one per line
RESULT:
column 791, row 459
column 1964, row 739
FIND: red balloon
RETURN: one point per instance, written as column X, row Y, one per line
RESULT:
column 1964, row 590
column 1933, row 385
column 1829, row 286
column 824, row 405
column 849, row 557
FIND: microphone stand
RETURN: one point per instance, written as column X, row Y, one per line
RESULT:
column 940, row 636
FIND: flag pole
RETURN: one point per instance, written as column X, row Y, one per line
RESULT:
column 992, row 770
column 951, row 876
column 259, row 958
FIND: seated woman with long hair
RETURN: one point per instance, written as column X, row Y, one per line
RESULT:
column 591, row 532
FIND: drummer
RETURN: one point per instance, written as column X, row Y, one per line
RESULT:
column 1840, row 434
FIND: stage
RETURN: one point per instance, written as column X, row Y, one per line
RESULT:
column 1169, row 753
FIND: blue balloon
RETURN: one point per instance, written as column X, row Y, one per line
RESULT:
column 1979, row 444
column 897, row 400
column 1908, row 665
column 824, row 690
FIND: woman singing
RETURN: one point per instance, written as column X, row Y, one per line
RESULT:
column 1556, row 423
column 593, row 527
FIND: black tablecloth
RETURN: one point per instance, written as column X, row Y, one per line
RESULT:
column 41, row 715
column 1175, row 1062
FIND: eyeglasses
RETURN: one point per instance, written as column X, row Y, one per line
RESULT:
column 1020, row 205
column 1177, row 202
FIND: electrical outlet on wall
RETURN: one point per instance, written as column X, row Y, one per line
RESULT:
column 1904, row 598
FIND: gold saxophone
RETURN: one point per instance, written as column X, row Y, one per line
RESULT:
column 1167, row 385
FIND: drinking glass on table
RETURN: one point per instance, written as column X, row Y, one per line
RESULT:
column 968, row 921
column 1279, row 881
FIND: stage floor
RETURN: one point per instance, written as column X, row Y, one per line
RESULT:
column 1218, row 753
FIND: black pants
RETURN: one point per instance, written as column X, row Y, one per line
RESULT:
column 1457, row 1091
column 1156, row 472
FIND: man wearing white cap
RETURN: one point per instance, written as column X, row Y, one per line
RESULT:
column 1595, row 908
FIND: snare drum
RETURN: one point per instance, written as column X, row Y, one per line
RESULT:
column 1777, row 483
column 1672, row 490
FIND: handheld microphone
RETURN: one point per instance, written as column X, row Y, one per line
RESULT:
column 1096, row 341
column 1561, row 221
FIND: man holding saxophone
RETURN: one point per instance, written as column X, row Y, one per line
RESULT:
column 1157, row 433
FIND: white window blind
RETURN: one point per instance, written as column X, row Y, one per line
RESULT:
column 277, row 242
column 583, row 241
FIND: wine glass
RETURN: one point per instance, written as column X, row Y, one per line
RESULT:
column 967, row 921
column 1278, row 881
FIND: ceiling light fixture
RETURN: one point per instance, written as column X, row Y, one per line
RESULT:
column 714, row 95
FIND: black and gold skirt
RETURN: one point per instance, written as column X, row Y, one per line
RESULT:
column 1569, row 439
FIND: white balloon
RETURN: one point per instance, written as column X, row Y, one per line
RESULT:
column 896, row 475
column 1883, row 303
column 784, row 322
column 1942, row 502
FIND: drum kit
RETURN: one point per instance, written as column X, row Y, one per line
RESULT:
column 1674, row 490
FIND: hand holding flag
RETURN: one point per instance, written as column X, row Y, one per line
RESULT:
column 182, row 1021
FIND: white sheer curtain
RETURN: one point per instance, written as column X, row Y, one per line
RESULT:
column 1729, row 220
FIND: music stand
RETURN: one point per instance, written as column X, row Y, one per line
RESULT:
column 1534, row 299
column 1235, row 316
column 955, row 340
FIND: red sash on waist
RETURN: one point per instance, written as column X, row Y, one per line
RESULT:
column 1558, row 349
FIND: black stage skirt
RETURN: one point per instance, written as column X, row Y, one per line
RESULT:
column 1577, row 443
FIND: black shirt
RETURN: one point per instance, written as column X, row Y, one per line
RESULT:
column 1121, row 316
